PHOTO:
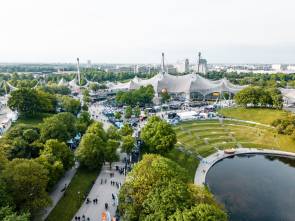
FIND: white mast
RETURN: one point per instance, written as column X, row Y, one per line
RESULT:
column 78, row 72
column 163, row 64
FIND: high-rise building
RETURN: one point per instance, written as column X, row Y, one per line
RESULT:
column 88, row 63
column 183, row 66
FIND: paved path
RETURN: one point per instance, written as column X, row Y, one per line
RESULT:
column 103, row 192
column 208, row 162
column 95, row 111
column 57, row 194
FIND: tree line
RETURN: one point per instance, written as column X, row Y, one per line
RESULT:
column 255, row 96
column 33, row 157
column 141, row 96
column 29, row 102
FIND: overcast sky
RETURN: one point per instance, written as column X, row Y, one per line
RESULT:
column 137, row 31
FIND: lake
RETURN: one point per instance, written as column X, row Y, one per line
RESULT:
column 255, row 187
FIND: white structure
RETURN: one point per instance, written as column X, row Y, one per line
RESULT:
column 182, row 67
column 188, row 86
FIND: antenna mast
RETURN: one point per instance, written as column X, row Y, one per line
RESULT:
column 78, row 73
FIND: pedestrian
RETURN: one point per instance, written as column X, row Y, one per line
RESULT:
column 105, row 181
column 106, row 206
column 101, row 181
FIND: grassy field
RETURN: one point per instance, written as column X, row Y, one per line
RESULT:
column 188, row 162
column 32, row 121
column 74, row 196
column 260, row 115
column 206, row 137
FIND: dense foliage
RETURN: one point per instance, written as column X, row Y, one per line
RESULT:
column 60, row 126
column 157, row 189
column 285, row 125
column 98, row 146
column 158, row 136
column 259, row 97
column 141, row 96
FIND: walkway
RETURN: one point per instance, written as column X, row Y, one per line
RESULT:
column 57, row 192
column 103, row 192
column 208, row 162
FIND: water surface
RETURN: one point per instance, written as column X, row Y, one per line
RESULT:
column 255, row 187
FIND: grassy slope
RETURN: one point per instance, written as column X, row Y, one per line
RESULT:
column 187, row 162
column 71, row 201
column 203, row 137
column 261, row 115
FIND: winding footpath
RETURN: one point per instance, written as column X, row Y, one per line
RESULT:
column 208, row 162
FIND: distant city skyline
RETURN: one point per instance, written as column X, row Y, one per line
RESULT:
column 130, row 31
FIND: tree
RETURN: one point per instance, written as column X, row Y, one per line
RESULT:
column 91, row 152
column 126, row 130
column 158, row 136
column 27, row 180
column 201, row 212
column 61, row 126
column 150, row 173
column 113, row 133
column 47, row 101
column 165, row 199
column 60, row 151
column 30, row 135
column 69, row 104
column 25, row 101
column 94, row 87
column 128, row 144
column 248, row 95
column 111, row 151
column 118, row 115
column 86, row 96
column 137, row 111
column 165, row 96
column 128, row 112
column 83, row 121
column 7, row 214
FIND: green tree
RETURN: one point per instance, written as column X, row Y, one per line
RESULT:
column 158, row 136
column 128, row 112
column 201, row 212
column 113, row 133
column 69, row 104
column 165, row 97
column 7, row 214
column 25, row 101
column 165, row 199
column 126, row 130
column 60, row 151
column 83, row 121
column 118, row 115
column 27, row 180
column 61, row 126
column 128, row 144
column 146, row 175
column 31, row 135
column 111, row 151
column 137, row 111
column 91, row 150
column 47, row 101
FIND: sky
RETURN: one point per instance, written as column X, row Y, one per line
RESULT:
column 137, row 31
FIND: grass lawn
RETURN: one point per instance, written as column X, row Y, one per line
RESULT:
column 260, row 115
column 71, row 201
column 206, row 137
column 187, row 162
column 32, row 120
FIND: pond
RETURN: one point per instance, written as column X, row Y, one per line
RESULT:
column 255, row 187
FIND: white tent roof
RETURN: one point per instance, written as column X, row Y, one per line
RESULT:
column 179, row 84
